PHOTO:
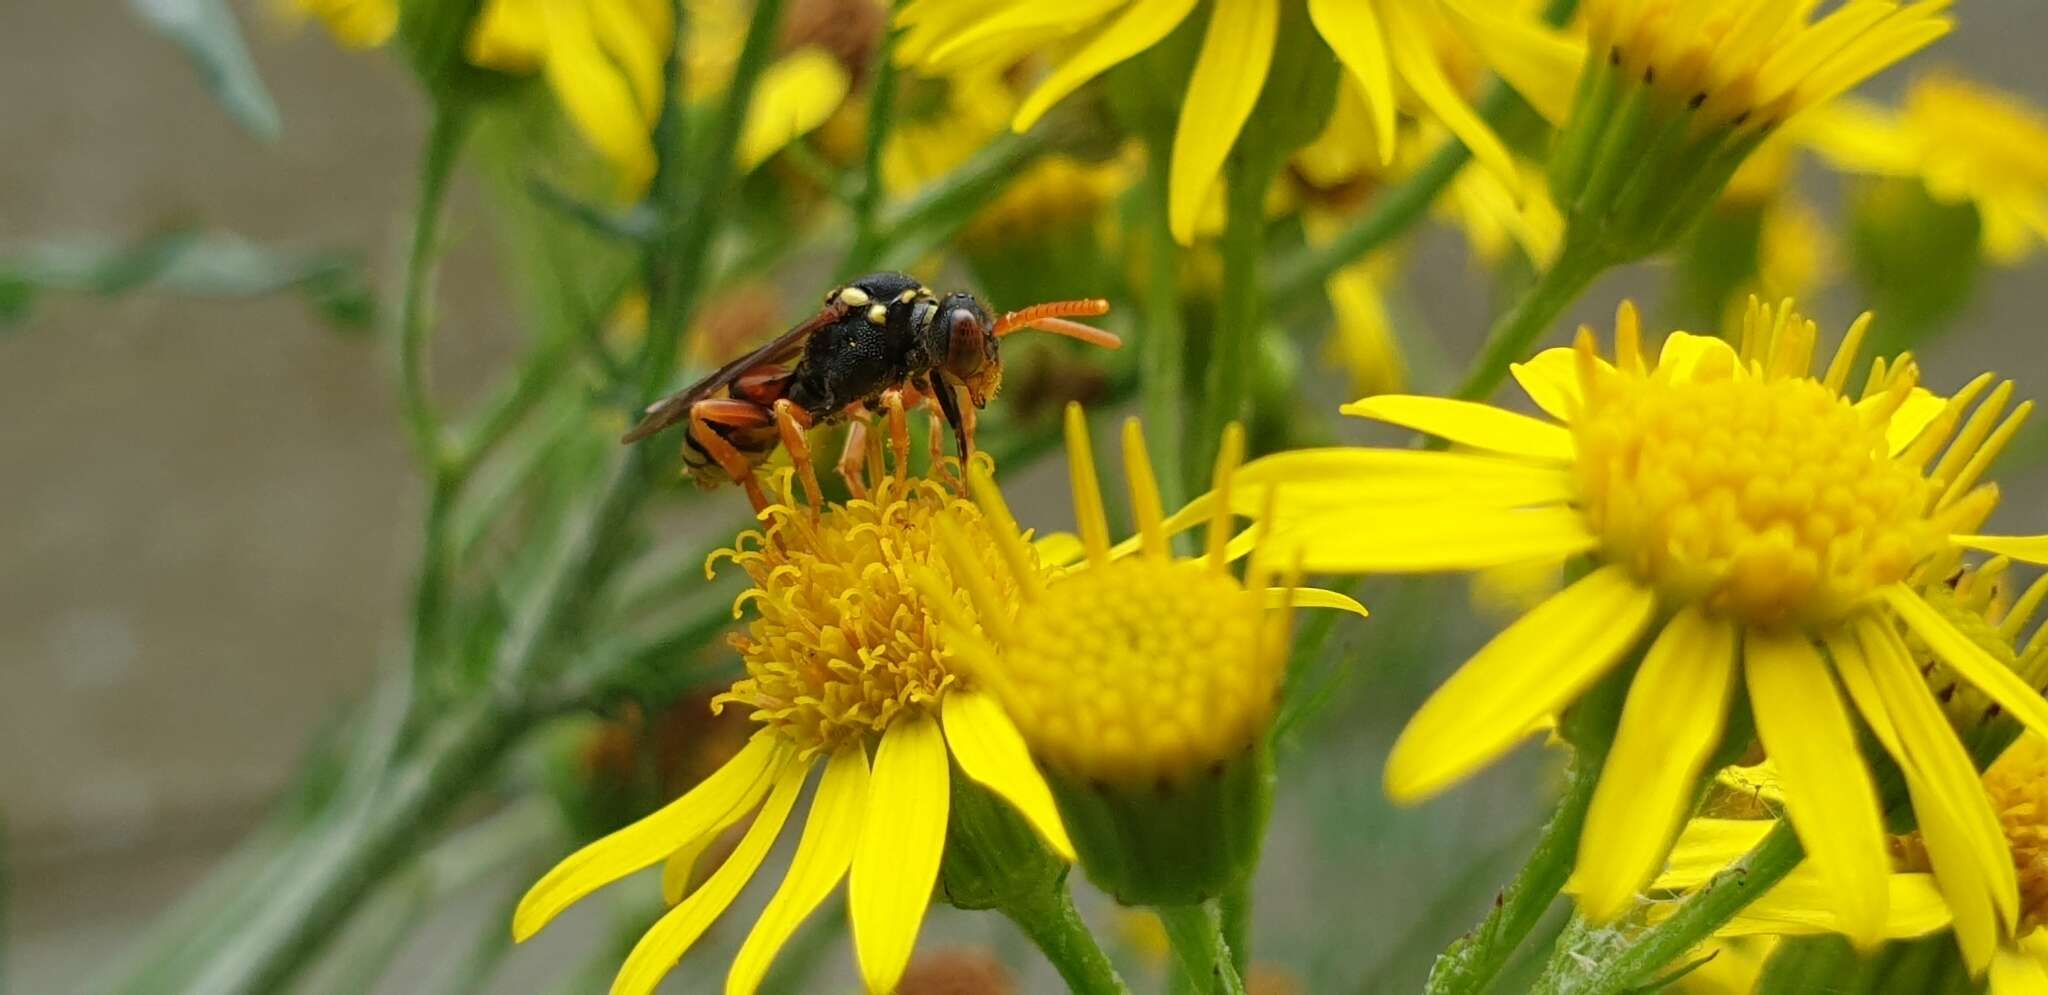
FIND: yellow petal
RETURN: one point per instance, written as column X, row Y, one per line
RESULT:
column 1922, row 407
column 1353, row 32
column 796, row 94
column 681, row 866
column 735, row 786
column 671, row 936
column 991, row 752
column 1139, row 27
column 1533, row 668
column 1364, row 336
column 1828, row 794
column 821, row 860
column 1350, row 476
column 2019, row 972
column 1706, row 847
column 1413, row 49
column 1470, row 423
column 1687, row 357
column 896, row 860
column 510, row 36
column 1237, row 50
column 1540, row 62
column 1677, row 706
column 1803, row 905
column 1551, row 379
column 1759, row 781
column 1312, row 597
column 1427, row 540
column 1969, row 660
column 1965, row 839
column 597, row 97
column 2026, row 549
column 1060, row 549
column 636, row 38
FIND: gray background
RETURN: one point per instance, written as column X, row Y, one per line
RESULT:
column 206, row 512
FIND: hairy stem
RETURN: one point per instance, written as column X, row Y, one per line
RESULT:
column 1518, row 331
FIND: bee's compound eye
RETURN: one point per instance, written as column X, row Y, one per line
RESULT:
column 964, row 338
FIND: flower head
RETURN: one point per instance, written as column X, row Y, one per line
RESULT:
column 843, row 657
column 1751, row 527
column 1390, row 50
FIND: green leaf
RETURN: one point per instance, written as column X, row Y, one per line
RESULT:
column 184, row 261
column 207, row 31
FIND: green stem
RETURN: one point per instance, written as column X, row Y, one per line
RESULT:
column 1696, row 920
column 676, row 272
column 302, row 913
column 1234, row 908
column 1161, row 346
column 881, row 120
column 1196, row 932
column 921, row 221
column 1055, row 927
column 1234, row 349
column 1517, row 331
column 1473, row 960
column 444, row 147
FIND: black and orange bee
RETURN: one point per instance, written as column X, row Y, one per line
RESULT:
column 881, row 344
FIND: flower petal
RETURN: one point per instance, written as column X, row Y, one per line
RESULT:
column 1803, row 905
column 1470, row 423
column 664, row 944
column 1410, row 43
column 1139, row 27
column 1686, row 357
column 510, row 36
column 1532, row 669
column 1313, row 597
column 597, row 96
column 1551, row 379
column 1237, row 50
column 1969, row 660
column 1706, row 847
column 2026, row 549
column 1922, row 407
column 1422, row 539
column 795, row 95
column 2019, row 972
column 1352, row 31
column 1677, row 706
column 1350, row 476
column 989, row 750
column 1540, row 62
column 821, row 860
column 1828, row 795
column 896, row 860
column 735, row 786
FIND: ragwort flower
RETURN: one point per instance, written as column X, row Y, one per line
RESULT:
column 844, row 655
column 1741, row 516
column 1389, row 47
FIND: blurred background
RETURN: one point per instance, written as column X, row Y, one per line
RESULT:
column 207, row 514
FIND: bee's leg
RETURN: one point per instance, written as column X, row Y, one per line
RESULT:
column 899, row 431
column 734, row 414
column 957, row 416
column 935, row 437
column 791, row 421
column 853, row 457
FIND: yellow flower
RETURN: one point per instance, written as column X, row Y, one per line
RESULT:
column 843, row 655
column 1741, row 515
column 1143, row 682
column 604, row 58
column 354, row 23
column 1389, row 48
column 1967, row 142
column 2016, row 957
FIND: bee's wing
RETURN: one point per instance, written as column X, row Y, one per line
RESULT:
column 676, row 407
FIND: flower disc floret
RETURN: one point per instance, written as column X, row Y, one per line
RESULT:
column 842, row 642
column 2018, row 786
column 1141, row 669
column 1770, row 500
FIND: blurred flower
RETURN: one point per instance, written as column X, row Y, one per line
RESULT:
column 1743, row 511
column 957, row 972
column 843, row 653
column 1675, row 95
column 354, row 23
column 1968, row 143
column 1390, row 49
column 1143, row 683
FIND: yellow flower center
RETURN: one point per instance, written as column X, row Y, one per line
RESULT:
column 842, row 642
column 1769, row 500
column 1141, row 669
column 2018, row 786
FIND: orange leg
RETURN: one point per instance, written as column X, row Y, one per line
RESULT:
column 791, row 421
column 853, row 458
column 935, row 440
column 968, row 415
column 899, row 431
column 734, row 414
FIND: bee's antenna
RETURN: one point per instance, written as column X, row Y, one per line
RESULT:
column 1051, row 317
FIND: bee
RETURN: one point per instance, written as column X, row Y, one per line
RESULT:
column 880, row 344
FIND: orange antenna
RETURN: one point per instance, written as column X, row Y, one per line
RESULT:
column 1052, row 317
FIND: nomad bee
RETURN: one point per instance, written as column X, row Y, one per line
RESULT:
column 879, row 345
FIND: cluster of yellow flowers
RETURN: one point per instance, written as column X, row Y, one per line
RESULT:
column 1779, row 568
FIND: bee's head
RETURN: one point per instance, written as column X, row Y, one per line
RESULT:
column 962, row 339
